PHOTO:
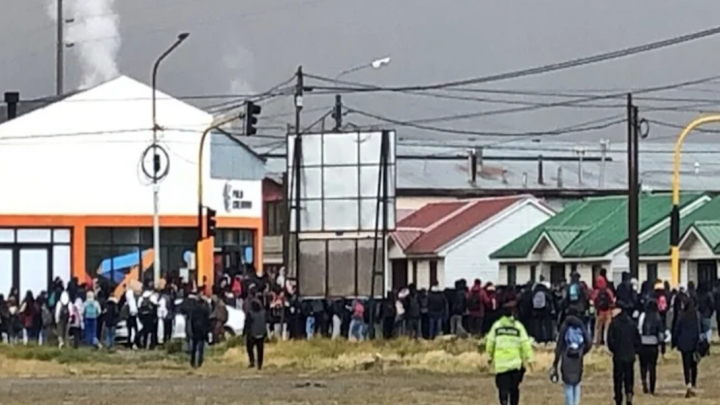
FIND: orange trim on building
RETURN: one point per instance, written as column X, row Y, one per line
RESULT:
column 78, row 223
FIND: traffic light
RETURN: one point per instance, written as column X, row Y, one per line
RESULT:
column 211, row 223
column 252, row 110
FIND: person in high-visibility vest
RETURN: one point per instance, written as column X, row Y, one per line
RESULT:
column 510, row 351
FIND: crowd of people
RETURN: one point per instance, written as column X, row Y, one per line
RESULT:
column 631, row 321
column 634, row 321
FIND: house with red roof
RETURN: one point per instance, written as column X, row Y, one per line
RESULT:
column 447, row 241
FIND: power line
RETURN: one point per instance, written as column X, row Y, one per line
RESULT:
column 541, row 69
column 553, row 132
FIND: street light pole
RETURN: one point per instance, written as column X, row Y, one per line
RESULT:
column 675, row 214
column 156, row 160
column 376, row 64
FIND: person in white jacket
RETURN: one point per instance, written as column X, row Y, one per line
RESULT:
column 132, row 326
column 63, row 312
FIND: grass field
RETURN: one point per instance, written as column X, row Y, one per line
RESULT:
column 316, row 372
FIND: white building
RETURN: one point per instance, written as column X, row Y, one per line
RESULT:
column 76, row 203
column 448, row 241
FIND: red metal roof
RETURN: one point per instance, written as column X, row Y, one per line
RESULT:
column 441, row 223
column 430, row 214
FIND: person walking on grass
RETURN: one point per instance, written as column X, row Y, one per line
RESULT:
column 572, row 346
column 623, row 341
column 198, row 310
column 652, row 335
column 689, row 340
column 510, row 351
column 256, row 332
column 91, row 312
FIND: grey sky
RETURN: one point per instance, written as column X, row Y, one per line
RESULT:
column 250, row 45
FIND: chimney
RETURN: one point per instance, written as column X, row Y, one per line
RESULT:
column 472, row 166
column 580, row 152
column 559, row 177
column 12, row 98
column 541, row 177
column 479, row 154
column 603, row 158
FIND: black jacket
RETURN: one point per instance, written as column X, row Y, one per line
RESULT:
column 686, row 335
column 256, row 325
column 112, row 313
column 623, row 338
column 627, row 295
column 571, row 368
column 437, row 304
column 199, row 319
column 459, row 302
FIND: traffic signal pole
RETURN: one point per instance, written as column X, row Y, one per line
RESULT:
column 199, row 258
column 675, row 213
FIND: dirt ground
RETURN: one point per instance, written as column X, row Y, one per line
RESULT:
column 372, row 387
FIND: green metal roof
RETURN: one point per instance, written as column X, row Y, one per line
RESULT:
column 593, row 227
column 659, row 244
column 710, row 232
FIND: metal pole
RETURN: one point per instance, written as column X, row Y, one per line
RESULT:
column 675, row 213
column 201, row 149
column 376, row 236
column 59, row 56
column 632, row 156
column 156, row 161
column 297, row 159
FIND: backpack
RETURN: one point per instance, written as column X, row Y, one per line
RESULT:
column 574, row 341
column 539, row 300
column 662, row 303
column 64, row 313
column 358, row 311
column 146, row 308
column 602, row 302
column 474, row 302
column 574, row 292
column 47, row 319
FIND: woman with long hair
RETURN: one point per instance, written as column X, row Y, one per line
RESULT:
column 28, row 314
column 686, row 339
column 652, row 334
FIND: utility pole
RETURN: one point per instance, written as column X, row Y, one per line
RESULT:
column 296, row 177
column 59, row 56
column 633, row 192
column 337, row 112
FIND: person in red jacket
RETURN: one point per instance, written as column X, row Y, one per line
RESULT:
column 604, row 301
column 476, row 300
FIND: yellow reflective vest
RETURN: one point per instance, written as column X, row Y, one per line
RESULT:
column 508, row 345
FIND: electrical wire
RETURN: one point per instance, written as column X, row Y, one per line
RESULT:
column 545, row 68
column 558, row 131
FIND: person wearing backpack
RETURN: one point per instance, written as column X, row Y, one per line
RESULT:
column 542, row 313
column 476, row 300
column 604, row 302
column 652, row 334
column 62, row 319
column 574, row 343
column 91, row 312
column 575, row 294
column 623, row 341
column 458, row 310
column 660, row 296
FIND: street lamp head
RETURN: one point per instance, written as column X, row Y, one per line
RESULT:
column 378, row 63
column 183, row 36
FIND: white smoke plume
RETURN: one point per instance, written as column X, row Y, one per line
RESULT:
column 94, row 31
column 239, row 63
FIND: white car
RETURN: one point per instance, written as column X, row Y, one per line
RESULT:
column 234, row 325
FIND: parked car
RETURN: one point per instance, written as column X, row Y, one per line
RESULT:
column 234, row 325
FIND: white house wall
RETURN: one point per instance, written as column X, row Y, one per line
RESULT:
column 469, row 259
column 81, row 156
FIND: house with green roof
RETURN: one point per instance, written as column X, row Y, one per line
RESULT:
column 699, row 247
column 585, row 237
